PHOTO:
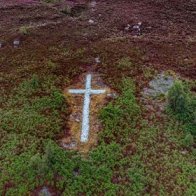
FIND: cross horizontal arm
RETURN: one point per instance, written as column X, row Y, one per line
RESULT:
column 82, row 91
column 96, row 92
column 77, row 91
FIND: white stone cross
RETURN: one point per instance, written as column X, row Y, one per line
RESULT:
column 87, row 93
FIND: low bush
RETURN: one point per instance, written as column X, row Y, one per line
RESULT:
column 188, row 140
column 120, row 117
column 24, row 30
column 28, row 113
column 124, row 63
column 182, row 104
column 179, row 99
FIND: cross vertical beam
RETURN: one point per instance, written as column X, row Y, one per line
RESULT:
column 85, row 121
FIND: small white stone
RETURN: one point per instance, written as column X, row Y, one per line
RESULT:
column 97, row 60
column 127, row 27
column 91, row 21
column 184, row 152
column 45, row 191
column 136, row 27
column 93, row 4
column 112, row 95
column 77, row 120
column 71, row 145
column 16, row 43
column 75, row 117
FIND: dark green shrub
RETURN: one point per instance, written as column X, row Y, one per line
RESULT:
column 178, row 99
column 188, row 140
column 183, row 105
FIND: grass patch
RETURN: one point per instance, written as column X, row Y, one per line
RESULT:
column 25, row 30
column 120, row 118
column 132, row 158
column 27, row 112
column 124, row 63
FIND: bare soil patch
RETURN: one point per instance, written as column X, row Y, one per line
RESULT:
column 167, row 40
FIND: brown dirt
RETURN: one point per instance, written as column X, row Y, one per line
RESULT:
column 167, row 41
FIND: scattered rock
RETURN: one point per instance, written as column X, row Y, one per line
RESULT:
column 184, row 152
column 45, row 192
column 112, row 95
column 159, row 86
column 70, row 145
column 76, row 172
column 77, row 120
column 97, row 60
column 75, row 117
column 91, row 21
column 136, row 29
column 92, row 4
column 16, row 43
column 127, row 28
